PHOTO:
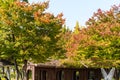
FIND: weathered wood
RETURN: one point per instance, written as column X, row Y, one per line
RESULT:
column 33, row 73
column 98, row 74
column 59, row 73
column 117, row 72
column 51, row 74
column 81, row 74
column 68, row 74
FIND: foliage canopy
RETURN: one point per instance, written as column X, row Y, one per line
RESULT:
column 97, row 45
column 27, row 31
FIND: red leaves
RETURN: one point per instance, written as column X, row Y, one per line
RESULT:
column 114, row 7
column 98, row 41
column 36, row 15
column 103, row 16
column 47, row 17
column 59, row 16
column 8, row 22
column 18, row 3
column 99, row 11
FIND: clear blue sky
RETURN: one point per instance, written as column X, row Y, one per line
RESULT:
column 78, row 10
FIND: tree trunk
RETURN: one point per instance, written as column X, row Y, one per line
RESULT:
column 25, row 70
column 117, row 74
column 3, row 70
column 17, row 70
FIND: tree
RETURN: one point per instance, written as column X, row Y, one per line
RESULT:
column 104, row 30
column 28, row 32
column 64, row 38
column 98, row 44
column 76, row 28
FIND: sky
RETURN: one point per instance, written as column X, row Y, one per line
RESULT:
column 77, row 10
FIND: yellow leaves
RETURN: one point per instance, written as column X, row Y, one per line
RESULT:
column 9, row 22
column 28, row 8
column 45, row 4
column 2, row 11
column 21, row 52
column 98, row 44
column 18, row 3
column 17, row 44
column 45, row 19
column 6, row 42
column 27, row 30
column 46, row 38
column 103, row 43
column 15, row 16
column 36, row 15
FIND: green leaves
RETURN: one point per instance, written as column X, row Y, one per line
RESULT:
column 27, row 32
column 98, row 44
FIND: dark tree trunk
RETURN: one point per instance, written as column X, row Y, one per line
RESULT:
column 17, row 70
column 3, row 70
column 117, row 74
column 25, row 70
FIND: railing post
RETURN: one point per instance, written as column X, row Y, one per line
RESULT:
column 108, row 76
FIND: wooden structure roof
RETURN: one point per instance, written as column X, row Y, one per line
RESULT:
column 53, row 70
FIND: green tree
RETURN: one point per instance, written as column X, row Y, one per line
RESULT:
column 27, row 32
column 76, row 28
column 98, row 44
column 103, row 28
